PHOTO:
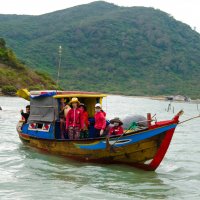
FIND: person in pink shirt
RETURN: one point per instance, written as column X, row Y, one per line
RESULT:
column 117, row 128
column 74, row 120
column 100, row 121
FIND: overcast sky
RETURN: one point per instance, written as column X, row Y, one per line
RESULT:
column 186, row 11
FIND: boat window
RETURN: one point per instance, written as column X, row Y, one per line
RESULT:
column 39, row 125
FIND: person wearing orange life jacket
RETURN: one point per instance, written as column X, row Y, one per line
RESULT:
column 74, row 120
column 100, row 121
column 117, row 128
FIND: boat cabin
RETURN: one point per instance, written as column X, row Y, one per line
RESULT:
column 45, row 106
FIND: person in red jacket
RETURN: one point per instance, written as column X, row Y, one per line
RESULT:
column 83, row 108
column 100, row 121
column 117, row 128
column 74, row 120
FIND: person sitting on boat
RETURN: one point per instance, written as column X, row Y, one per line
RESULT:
column 25, row 115
column 74, row 120
column 83, row 108
column 64, row 109
column 117, row 128
column 100, row 121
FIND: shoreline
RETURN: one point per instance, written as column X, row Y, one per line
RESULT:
column 159, row 97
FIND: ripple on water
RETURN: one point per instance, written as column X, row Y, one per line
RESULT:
column 26, row 173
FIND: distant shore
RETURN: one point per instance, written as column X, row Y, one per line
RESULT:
column 159, row 97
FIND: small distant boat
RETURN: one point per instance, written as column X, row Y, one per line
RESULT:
column 178, row 98
column 141, row 147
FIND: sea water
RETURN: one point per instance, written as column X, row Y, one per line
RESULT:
column 26, row 173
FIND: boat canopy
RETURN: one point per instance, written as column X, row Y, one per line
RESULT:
column 45, row 104
column 68, row 94
column 88, row 98
column 25, row 94
column 43, row 109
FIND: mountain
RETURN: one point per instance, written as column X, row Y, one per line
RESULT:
column 132, row 51
column 15, row 75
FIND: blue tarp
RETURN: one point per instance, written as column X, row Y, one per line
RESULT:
column 48, row 94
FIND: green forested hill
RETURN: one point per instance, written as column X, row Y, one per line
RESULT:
column 134, row 51
column 15, row 75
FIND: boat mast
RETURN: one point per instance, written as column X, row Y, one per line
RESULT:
column 59, row 63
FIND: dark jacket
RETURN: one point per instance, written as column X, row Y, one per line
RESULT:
column 25, row 116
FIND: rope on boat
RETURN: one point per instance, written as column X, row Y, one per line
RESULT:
column 132, row 127
column 189, row 119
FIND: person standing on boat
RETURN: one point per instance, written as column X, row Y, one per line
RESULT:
column 100, row 121
column 117, row 128
column 74, row 120
column 64, row 109
column 83, row 108
column 25, row 115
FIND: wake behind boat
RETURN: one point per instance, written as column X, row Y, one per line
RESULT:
column 139, row 146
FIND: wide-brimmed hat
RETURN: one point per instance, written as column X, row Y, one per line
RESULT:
column 97, row 105
column 74, row 100
column 116, row 119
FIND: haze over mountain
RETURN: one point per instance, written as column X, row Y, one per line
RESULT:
column 134, row 51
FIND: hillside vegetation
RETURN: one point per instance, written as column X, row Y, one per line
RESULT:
column 132, row 51
column 15, row 75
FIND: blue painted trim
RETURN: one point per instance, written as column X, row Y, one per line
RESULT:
column 39, row 134
column 129, row 139
column 25, row 128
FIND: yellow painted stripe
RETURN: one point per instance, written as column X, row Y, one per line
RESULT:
column 79, row 95
column 87, row 144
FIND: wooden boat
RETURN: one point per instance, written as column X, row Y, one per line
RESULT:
column 141, row 147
